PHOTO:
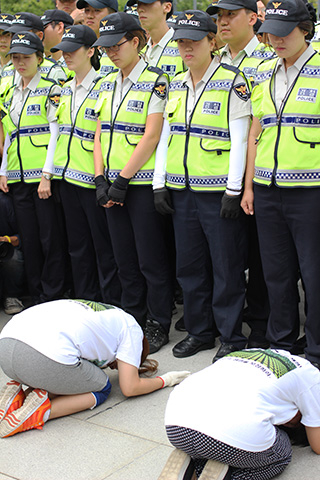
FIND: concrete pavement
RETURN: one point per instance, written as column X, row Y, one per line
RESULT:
column 123, row 439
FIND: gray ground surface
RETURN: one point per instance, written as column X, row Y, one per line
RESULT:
column 124, row 439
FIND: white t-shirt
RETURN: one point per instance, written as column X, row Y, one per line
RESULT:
column 67, row 330
column 240, row 398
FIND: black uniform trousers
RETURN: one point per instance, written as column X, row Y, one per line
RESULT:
column 258, row 308
column 94, row 270
column 139, row 244
column 43, row 244
column 288, row 221
column 211, row 260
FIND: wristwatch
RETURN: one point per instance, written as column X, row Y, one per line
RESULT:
column 47, row 176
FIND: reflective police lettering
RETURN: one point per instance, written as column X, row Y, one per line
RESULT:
column 194, row 23
column 89, row 114
column 307, row 95
column 106, row 28
column 135, row 106
column 211, row 108
column 276, row 11
column 34, row 109
column 21, row 40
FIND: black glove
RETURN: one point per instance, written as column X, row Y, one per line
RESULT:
column 102, row 187
column 117, row 191
column 230, row 206
column 162, row 201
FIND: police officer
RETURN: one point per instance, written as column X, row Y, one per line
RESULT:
column 29, row 119
column 94, row 11
column 5, row 39
column 283, row 156
column 130, row 109
column 208, row 113
column 49, row 68
column 93, row 266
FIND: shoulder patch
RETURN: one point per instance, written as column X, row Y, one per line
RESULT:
column 54, row 99
column 160, row 90
column 241, row 91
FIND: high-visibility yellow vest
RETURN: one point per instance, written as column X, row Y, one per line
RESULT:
column 288, row 151
column 73, row 157
column 29, row 140
column 121, row 135
column 199, row 147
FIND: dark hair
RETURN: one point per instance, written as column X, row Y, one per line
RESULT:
column 140, row 34
column 40, row 55
column 171, row 11
column 95, row 59
column 297, row 435
column 147, row 366
column 307, row 26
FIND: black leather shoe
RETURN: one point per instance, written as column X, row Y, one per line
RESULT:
column 299, row 346
column 190, row 346
column 224, row 349
column 155, row 335
column 179, row 325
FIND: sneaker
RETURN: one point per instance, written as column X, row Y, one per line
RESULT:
column 12, row 305
column 215, row 470
column 32, row 415
column 179, row 466
column 11, row 398
column 155, row 335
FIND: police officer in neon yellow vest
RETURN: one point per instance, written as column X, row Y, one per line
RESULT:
column 236, row 20
column 160, row 51
column 94, row 11
column 49, row 68
column 28, row 116
column 94, row 269
column 284, row 164
column 54, row 23
column 130, row 108
column 208, row 113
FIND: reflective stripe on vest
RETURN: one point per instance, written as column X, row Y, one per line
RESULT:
column 288, row 151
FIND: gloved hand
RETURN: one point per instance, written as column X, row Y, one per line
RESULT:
column 172, row 378
column 230, row 206
column 117, row 191
column 102, row 187
column 162, row 201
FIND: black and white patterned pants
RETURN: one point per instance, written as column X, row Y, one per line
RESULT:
column 245, row 465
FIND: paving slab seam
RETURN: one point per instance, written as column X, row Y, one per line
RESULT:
column 135, row 459
column 105, row 409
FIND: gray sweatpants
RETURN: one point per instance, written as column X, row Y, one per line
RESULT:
column 24, row 364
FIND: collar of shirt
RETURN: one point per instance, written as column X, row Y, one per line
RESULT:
column 155, row 51
column 86, row 82
column 245, row 52
column 187, row 80
column 298, row 63
column 32, row 85
column 133, row 75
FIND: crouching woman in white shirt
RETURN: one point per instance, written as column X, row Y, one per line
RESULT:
column 67, row 342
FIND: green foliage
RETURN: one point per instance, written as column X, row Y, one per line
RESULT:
column 32, row 6
column 180, row 5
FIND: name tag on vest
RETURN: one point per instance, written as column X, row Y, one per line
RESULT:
column 211, row 108
column 90, row 114
column 33, row 110
column 135, row 106
column 307, row 95
column 169, row 69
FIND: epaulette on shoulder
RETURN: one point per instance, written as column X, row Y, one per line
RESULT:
column 155, row 70
column 52, row 60
column 231, row 67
